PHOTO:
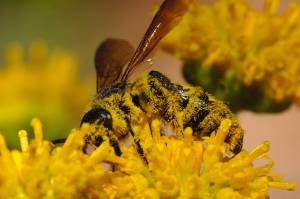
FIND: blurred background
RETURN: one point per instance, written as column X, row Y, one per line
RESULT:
column 47, row 71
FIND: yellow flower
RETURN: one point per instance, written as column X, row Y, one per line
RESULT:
column 260, row 46
column 40, row 79
column 175, row 168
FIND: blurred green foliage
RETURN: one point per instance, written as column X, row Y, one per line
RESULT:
column 225, row 85
column 42, row 84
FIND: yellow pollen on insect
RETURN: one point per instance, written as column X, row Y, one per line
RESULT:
column 23, row 140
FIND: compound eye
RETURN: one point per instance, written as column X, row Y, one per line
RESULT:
column 98, row 116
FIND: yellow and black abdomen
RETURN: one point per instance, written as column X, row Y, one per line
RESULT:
column 185, row 106
column 204, row 114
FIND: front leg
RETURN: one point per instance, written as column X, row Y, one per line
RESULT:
column 96, row 139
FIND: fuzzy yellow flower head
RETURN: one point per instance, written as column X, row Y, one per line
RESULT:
column 40, row 79
column 241, row 50
column 170, row 168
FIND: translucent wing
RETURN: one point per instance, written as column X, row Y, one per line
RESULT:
column 110, row 58
column 168, row 15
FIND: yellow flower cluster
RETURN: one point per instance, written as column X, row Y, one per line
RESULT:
column 40, row 79
column 175, row 168
column 261, row 46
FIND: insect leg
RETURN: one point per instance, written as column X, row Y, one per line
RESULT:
column 97, row 140
column 137, row 143
column 113, row 141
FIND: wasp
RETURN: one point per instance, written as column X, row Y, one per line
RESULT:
column 118, row 104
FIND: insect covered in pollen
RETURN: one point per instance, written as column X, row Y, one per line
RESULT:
column 119, row 104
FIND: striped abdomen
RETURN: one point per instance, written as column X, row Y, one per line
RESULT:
column 204, row 114
column 184, row 106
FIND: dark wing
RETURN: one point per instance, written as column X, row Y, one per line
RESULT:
column 168, row 15
column 110, row 58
